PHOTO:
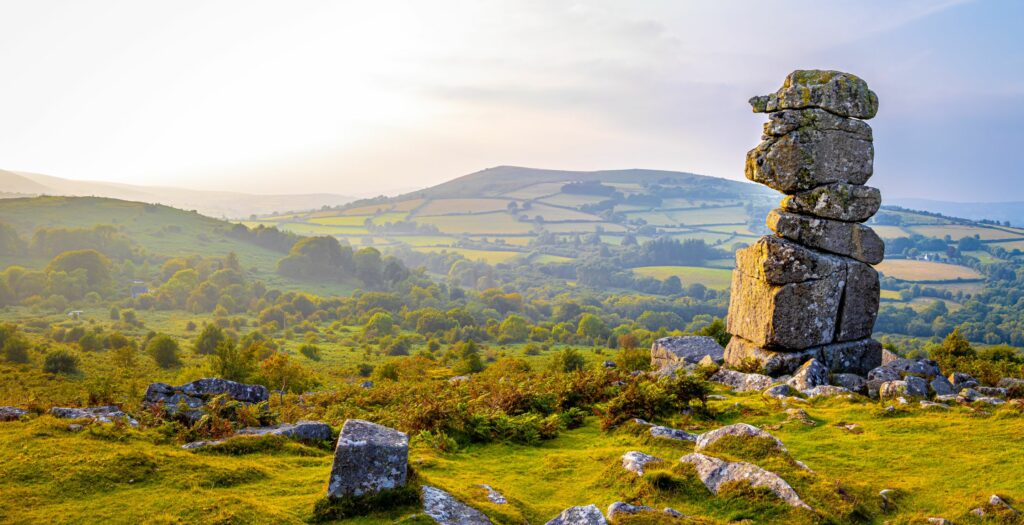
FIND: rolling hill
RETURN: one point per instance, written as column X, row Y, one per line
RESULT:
column 212, row 203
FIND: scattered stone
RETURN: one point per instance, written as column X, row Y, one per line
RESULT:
column 673, row 512
column 910, row 387
column 931, row 404
column 494, row 496
column 741, row 382
column 194, row 445
column 883, row 373
column 741, row 430
column 800, row 415
column 300, row 431
column 925, row 368
column 672, row 433
column 589, row 515
column 778, row 391
column 443, row 508
column 946, row 399
column 74, row 427
column 888, row 495
column 852, row 382
column 1010, row 383
column 852, row 428
column 609, row 364
column 961, row 381
column 839, row 93
column 681, row 351
column 839, row 201
column 939, row 521
column 995, row 503
column 457, row 379
column 366, row 384
column 941, row 386
column 990, row 400
column 968, row 395
column 991, row 391
column 619, row 508
column 368, row 459
column 810, row 375
column 634, row 461
column 104, row 414
column 842, row 238
column 11, row 413
column 714, row 472
column 826, row 391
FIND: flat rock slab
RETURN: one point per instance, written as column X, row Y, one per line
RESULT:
column 104, row 414
column 838, row 201
column 843, row 238
column 740, row 430
column 443, row 508
column 714, row 473
column 588, row 515
column 11, row 413
column 779, row 261
column 679, row 351
column 635, row 462
column 805, row 159
column 671, row 433
column 368, row 459
column 855, row 357
column 300, row 431
column 837, row 92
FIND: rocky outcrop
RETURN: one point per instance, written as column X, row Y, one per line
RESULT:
column 809, row 375
column 443, row 508
column 739, row 430
column 190, row 397
column 675, row 434
column 588, row 515
column 368, row 459
column 741, row 382
column 714, row 473
column 809, row 292
column 104, row 414
column 683, row 351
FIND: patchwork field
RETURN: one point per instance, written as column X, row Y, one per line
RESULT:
column 714, row 278
column 911, row 270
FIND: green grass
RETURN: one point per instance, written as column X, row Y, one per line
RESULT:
column 715, row 278
column 488, row 256
column 957, row 232
column 492, row 223
column 912, row 270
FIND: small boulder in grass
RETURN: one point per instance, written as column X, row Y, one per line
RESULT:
column 582, row 515
column 739, row 430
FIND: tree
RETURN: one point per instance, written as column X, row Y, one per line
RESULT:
column 568, row 360
column 278, row 372
column 96, row 266
column 368, row 266
column 61, row 362
column 380, row 324
column 514, row 329
column 164, row 351
column 717, row 331
column 953, row 351
column 233, row 363
column 592, row 327
column 207, row 340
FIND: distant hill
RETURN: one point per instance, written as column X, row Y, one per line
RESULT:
column 212, row 203
column 995, row 211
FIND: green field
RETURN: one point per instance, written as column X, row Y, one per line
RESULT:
column 714, row 278
column 911, row 270
column 488, row 256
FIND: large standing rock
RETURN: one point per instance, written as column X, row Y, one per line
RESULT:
column 714, row 473
column 778, row 261
column 794, row 316
column 843, row 238
column 859, row 306
column 740, row 430
column 806, row 158
column 839, row 201
column 674, row 352
column 589, row 515
column 443, row 508
column 368, row 459
column 840, row 93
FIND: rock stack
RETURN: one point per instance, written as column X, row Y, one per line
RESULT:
column 810, row 291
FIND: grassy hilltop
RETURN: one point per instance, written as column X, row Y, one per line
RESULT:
column 526, row 282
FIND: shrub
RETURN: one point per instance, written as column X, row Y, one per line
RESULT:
column 633, row 359
column 164, row 351
column 568, row 360
column 61, row 362
column 311, row 351
column 15, row 350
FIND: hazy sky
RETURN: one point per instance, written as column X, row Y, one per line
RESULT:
column 363, row 97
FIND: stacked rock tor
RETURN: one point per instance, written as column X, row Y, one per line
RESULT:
column 810, row 291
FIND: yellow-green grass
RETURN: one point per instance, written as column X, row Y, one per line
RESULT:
column 389, row 217
column 125, row 476
column 545, row 258
column 1012, row 245
column 423, row 240
column 488, row 256
column 340, row 220
column 304, row 228
column 551, row 213
column 582, row 227
column 983, row 256
column 370, row 209
column 890, row 232
column 956, row 232
column 535, row 191
column 890, row 295
column 407, row 205
column 572, row 200
column 491, row 223
column 718, row 215
column 715, row 278
column 462, row 206
column 912, row 270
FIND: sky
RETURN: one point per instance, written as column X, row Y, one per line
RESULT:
column 361, row 98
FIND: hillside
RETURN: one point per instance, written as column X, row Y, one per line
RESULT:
column 212, row 203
